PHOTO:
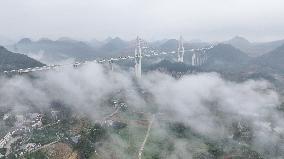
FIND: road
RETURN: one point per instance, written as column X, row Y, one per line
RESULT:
column 146, row 138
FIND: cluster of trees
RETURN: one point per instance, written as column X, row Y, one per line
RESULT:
column 242, row 132
column 88, row 140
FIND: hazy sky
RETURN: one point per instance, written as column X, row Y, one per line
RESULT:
column 258, row 20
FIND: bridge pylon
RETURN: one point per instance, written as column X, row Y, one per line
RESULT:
column 111, row 64
column 138, row 59
column 180, row 49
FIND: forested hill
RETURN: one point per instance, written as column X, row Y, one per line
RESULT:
column 11, row 61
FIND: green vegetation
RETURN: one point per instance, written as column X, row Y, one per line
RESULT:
column 3, row 151
column 10, row 121
column 44, row 136
column 89, row 137
column 36, row 155
column 10, row 61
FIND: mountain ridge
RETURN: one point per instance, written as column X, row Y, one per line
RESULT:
column 12, row 61
column 254, row 49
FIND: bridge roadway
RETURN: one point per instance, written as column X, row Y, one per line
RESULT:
column 152, row 53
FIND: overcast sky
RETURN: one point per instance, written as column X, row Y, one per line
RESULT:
column 210, row 20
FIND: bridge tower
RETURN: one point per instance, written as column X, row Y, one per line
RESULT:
column 180, row 50
column 194, row 59
column 138, row 59
column 111, row 64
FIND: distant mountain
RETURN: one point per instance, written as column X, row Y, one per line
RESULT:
column 239, row 42
column 50, row 50
column 194, row 45
column 254, row 49
column 169, row 45
column 273, row 59
column 66, row 39
column 159, row 42
column 225, row 57
column 25, row 41
column 96, row 43
column 11, row 61
column 108, row 39
column 113, row 47
column 172, row 45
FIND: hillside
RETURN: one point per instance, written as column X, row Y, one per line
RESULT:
column 273, row 59
column 49, row 50
column 169, row 45
column 169, row 66
column 252, row 48
column 172, row 45
column 224, row 57
column 11, row 61
column 113, row 47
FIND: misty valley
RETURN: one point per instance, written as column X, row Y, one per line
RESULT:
column 141, row 79
column 212, row 104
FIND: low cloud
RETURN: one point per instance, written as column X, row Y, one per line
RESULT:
column 205, row 102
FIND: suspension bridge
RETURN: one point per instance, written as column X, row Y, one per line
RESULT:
column 142, row 49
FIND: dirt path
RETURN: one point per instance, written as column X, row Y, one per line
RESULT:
column 146, row 138
column 44, row 146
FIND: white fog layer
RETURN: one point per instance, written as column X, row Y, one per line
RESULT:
column 205, row 102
